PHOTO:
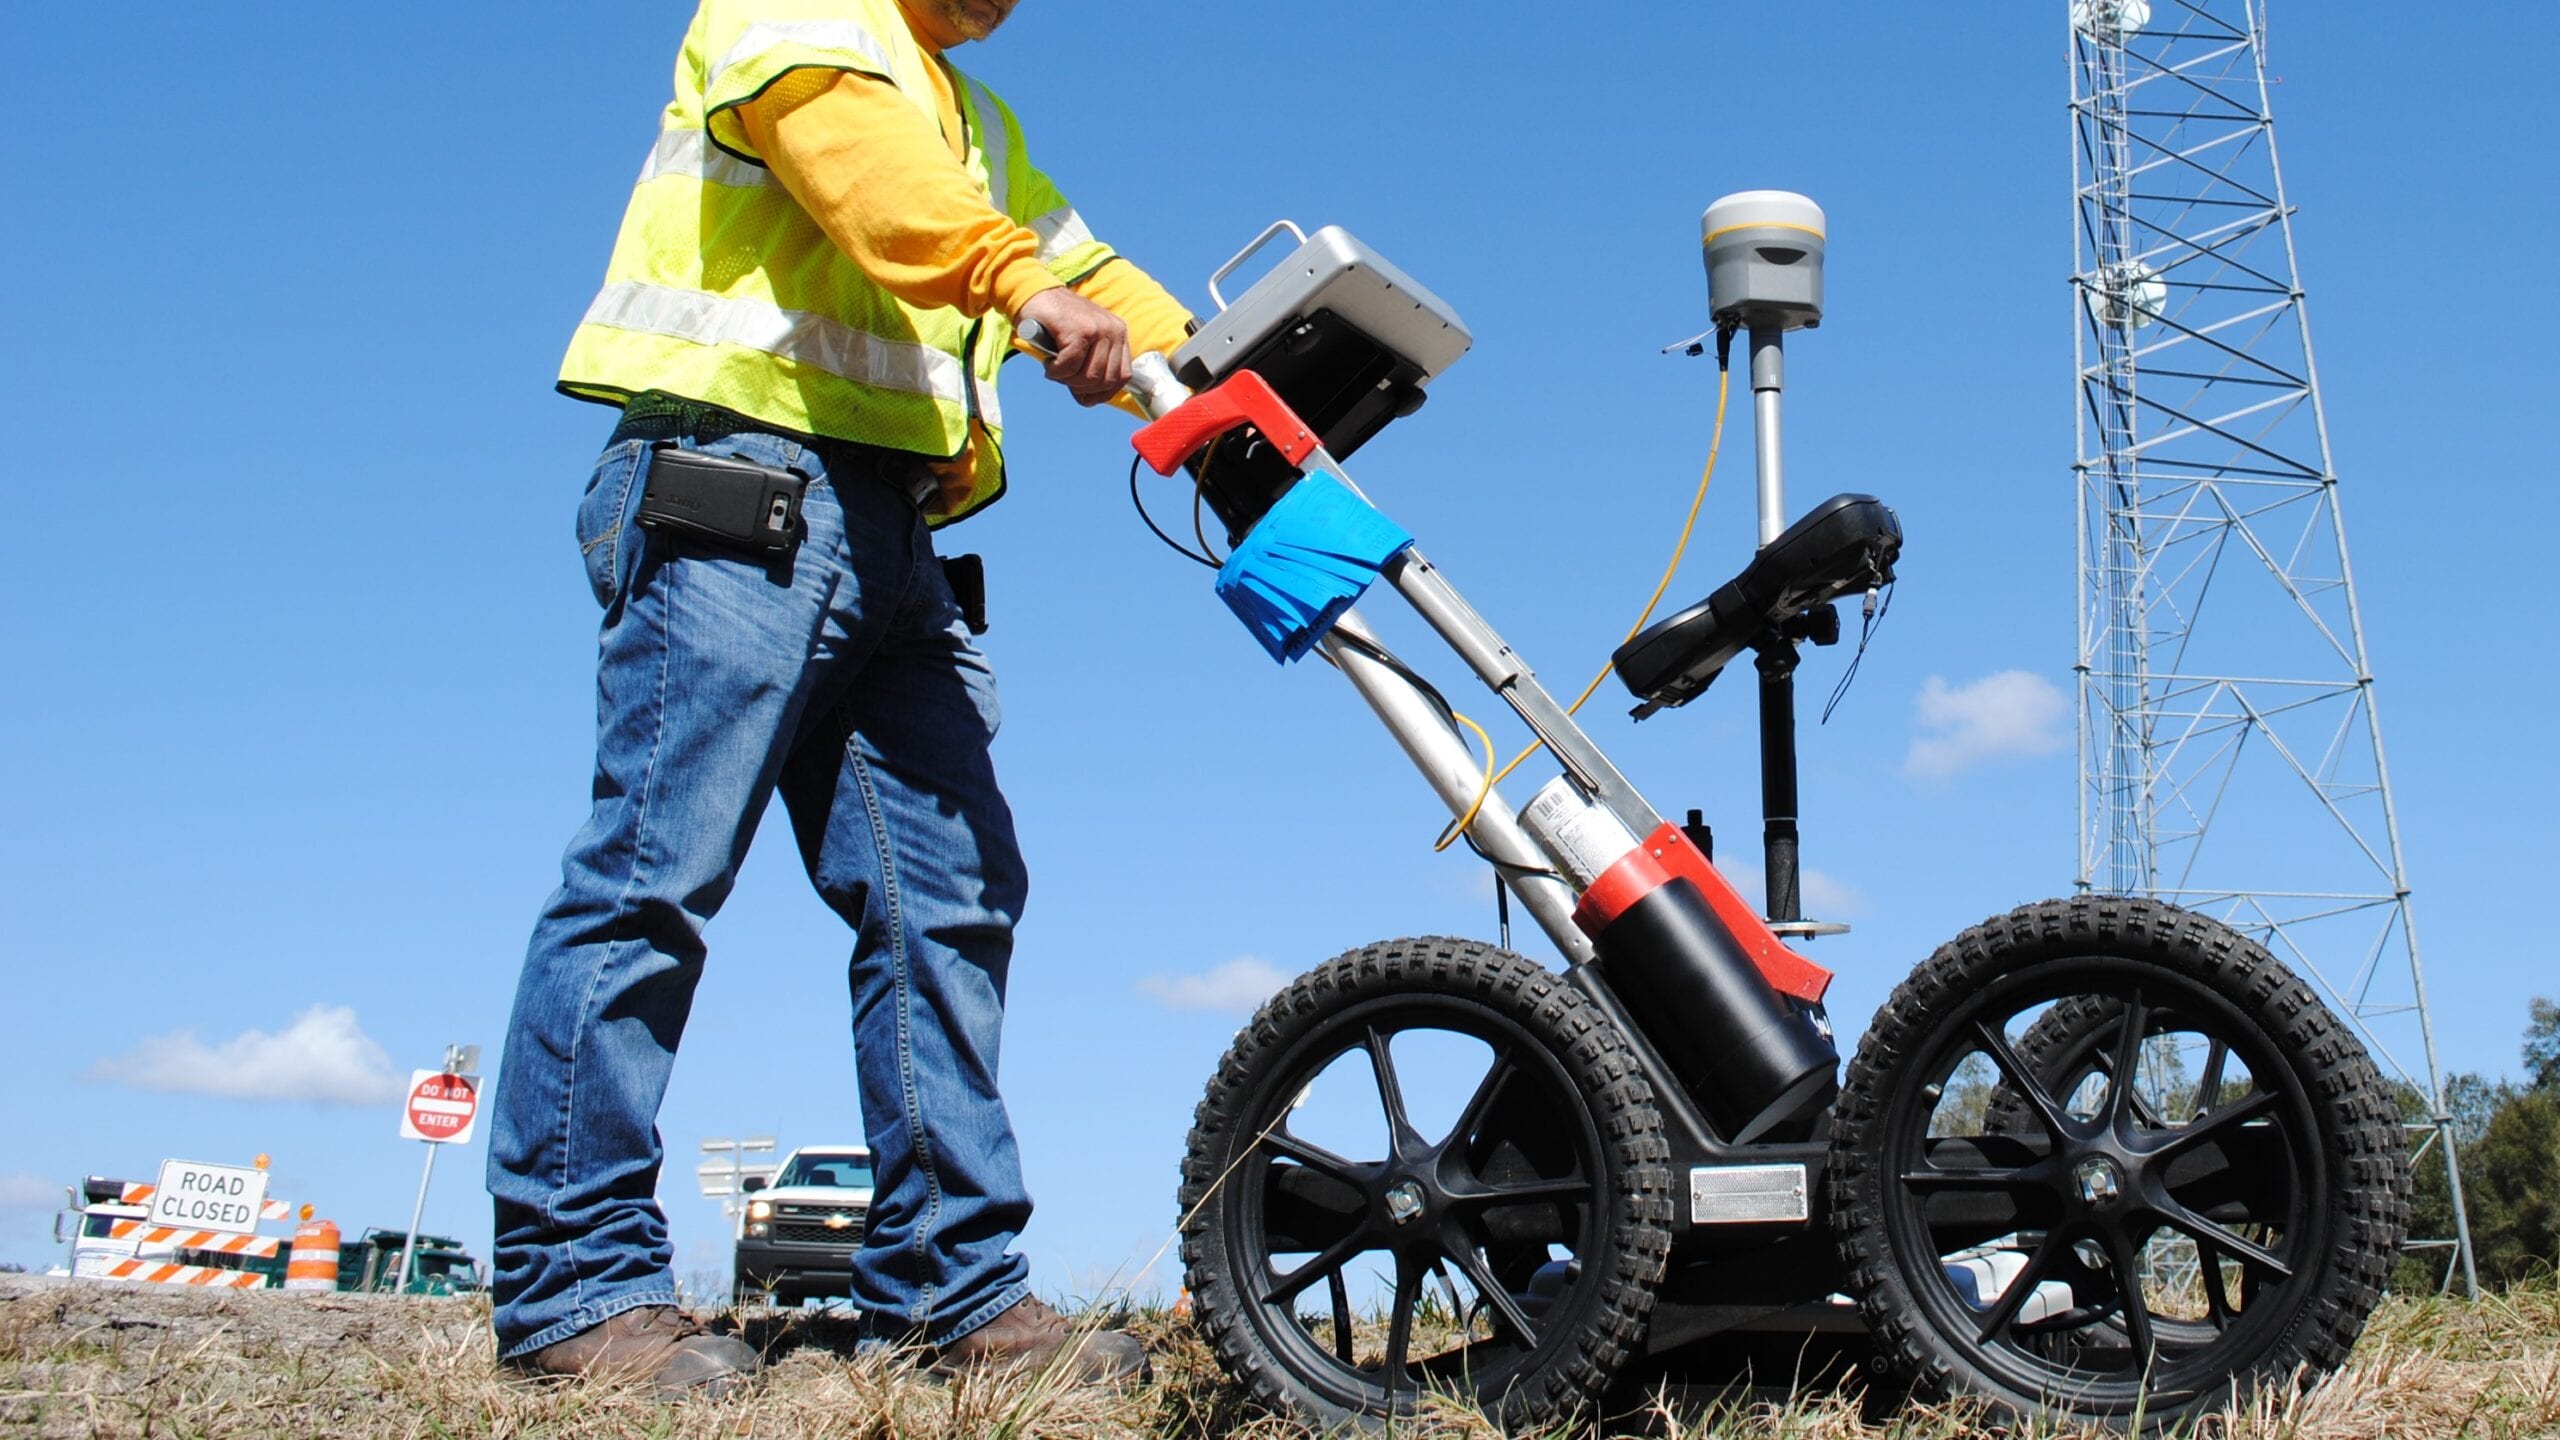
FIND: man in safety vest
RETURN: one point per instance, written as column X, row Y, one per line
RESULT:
column 821, row 267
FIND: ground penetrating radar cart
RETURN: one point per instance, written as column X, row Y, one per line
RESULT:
column 2098, row 1156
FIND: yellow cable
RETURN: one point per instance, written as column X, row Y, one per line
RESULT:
column 1493, row 777
column 1715, row 443
column 1450, row 836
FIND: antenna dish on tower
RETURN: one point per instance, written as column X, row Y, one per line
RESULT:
column 2126, row 291
column 2109, row 19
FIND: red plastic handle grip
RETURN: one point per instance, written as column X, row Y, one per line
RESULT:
column 1243, row 399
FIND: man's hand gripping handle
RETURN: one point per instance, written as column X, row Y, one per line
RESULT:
column 1151, row 387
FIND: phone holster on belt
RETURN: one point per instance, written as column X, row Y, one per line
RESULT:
column 967, row 575
column 723, row 501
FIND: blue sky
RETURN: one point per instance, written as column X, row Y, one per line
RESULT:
column 299, row 651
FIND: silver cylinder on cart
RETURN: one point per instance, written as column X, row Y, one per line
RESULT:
column 1581, row 836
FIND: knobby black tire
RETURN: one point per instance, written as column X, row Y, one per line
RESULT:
column 1592, row 1328
column 2351, row 1224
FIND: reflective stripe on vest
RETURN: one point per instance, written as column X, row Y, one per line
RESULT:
column 796, row 335
column 1060, row 231
column 995, row 141
column 850, row 35
column 691, row 153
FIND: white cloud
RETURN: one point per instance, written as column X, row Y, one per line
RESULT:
column 1238, row 985
column 22, row 1191
column 324, row 1056
column 2012, row 713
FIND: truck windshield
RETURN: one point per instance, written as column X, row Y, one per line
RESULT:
column 838, row 1172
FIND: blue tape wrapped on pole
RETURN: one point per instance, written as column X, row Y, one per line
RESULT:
column 1305, row 562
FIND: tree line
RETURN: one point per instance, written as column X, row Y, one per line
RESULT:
column 2507, row 1133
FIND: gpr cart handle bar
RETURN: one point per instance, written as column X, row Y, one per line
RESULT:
column 1243, row 398
column 1152, row 387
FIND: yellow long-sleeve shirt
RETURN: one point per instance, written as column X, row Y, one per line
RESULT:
column 897, row 198
column 893, row 195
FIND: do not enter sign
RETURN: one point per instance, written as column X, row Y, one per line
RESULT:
column 441, row 1107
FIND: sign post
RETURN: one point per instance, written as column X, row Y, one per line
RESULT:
column 442, row 1108
column 725, row 1179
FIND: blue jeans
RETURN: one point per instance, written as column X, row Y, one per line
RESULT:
column 845, row 678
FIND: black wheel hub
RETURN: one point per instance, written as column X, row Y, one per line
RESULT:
column 2100, row 1182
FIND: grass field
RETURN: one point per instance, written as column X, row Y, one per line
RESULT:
column 89, row 1359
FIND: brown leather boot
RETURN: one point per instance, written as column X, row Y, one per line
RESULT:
column 1031, row 1336
column 656, row 1343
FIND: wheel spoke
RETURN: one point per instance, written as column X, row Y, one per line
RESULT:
column 1480, row 1103
column 1314, row 1157
column 2209, row 1085
column 1448, row 1288
column 2123, row 1084
column 1340, row 1295
column 2048, row 1109
column 1978, row 1178
column 2081, row 1278
column 1471, row 1264
column 1326, row 1262
column 2217, row 1298
column 2142, row 1110
column 2005, row 1309
column 2206, row 1232
column 1523, row 1192
column 2137, row 1315
column 1400, row 1326
column 2256, row 1102
column 1400, row 1132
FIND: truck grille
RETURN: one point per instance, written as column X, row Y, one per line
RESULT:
column 808, row 1224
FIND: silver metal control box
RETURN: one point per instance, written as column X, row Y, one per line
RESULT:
column 1328, row 271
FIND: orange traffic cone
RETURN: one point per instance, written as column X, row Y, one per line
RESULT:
column 313, row 1265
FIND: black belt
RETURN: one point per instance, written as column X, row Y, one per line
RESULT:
column 656, row 415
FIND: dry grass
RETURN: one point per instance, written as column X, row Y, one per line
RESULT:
column 114, row 1361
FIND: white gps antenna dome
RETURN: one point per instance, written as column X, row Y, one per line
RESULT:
column 1764, row 260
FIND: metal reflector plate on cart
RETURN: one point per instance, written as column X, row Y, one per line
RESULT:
column 1739, row 1194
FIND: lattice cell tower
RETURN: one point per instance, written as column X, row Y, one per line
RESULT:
column 2230, row 752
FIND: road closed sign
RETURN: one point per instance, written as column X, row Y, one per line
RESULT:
column 440, row 1107
column 195, row 1196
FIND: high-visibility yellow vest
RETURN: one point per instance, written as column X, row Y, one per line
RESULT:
column 722, row 289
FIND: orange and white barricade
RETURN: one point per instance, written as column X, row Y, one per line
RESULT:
column 162, row 1272
column 156, row 1248
column 220, row 1242
column 313, row 1265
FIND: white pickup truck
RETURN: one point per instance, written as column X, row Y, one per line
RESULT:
column 797, row 1235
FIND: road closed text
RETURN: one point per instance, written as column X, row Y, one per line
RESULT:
column 210, row 1197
